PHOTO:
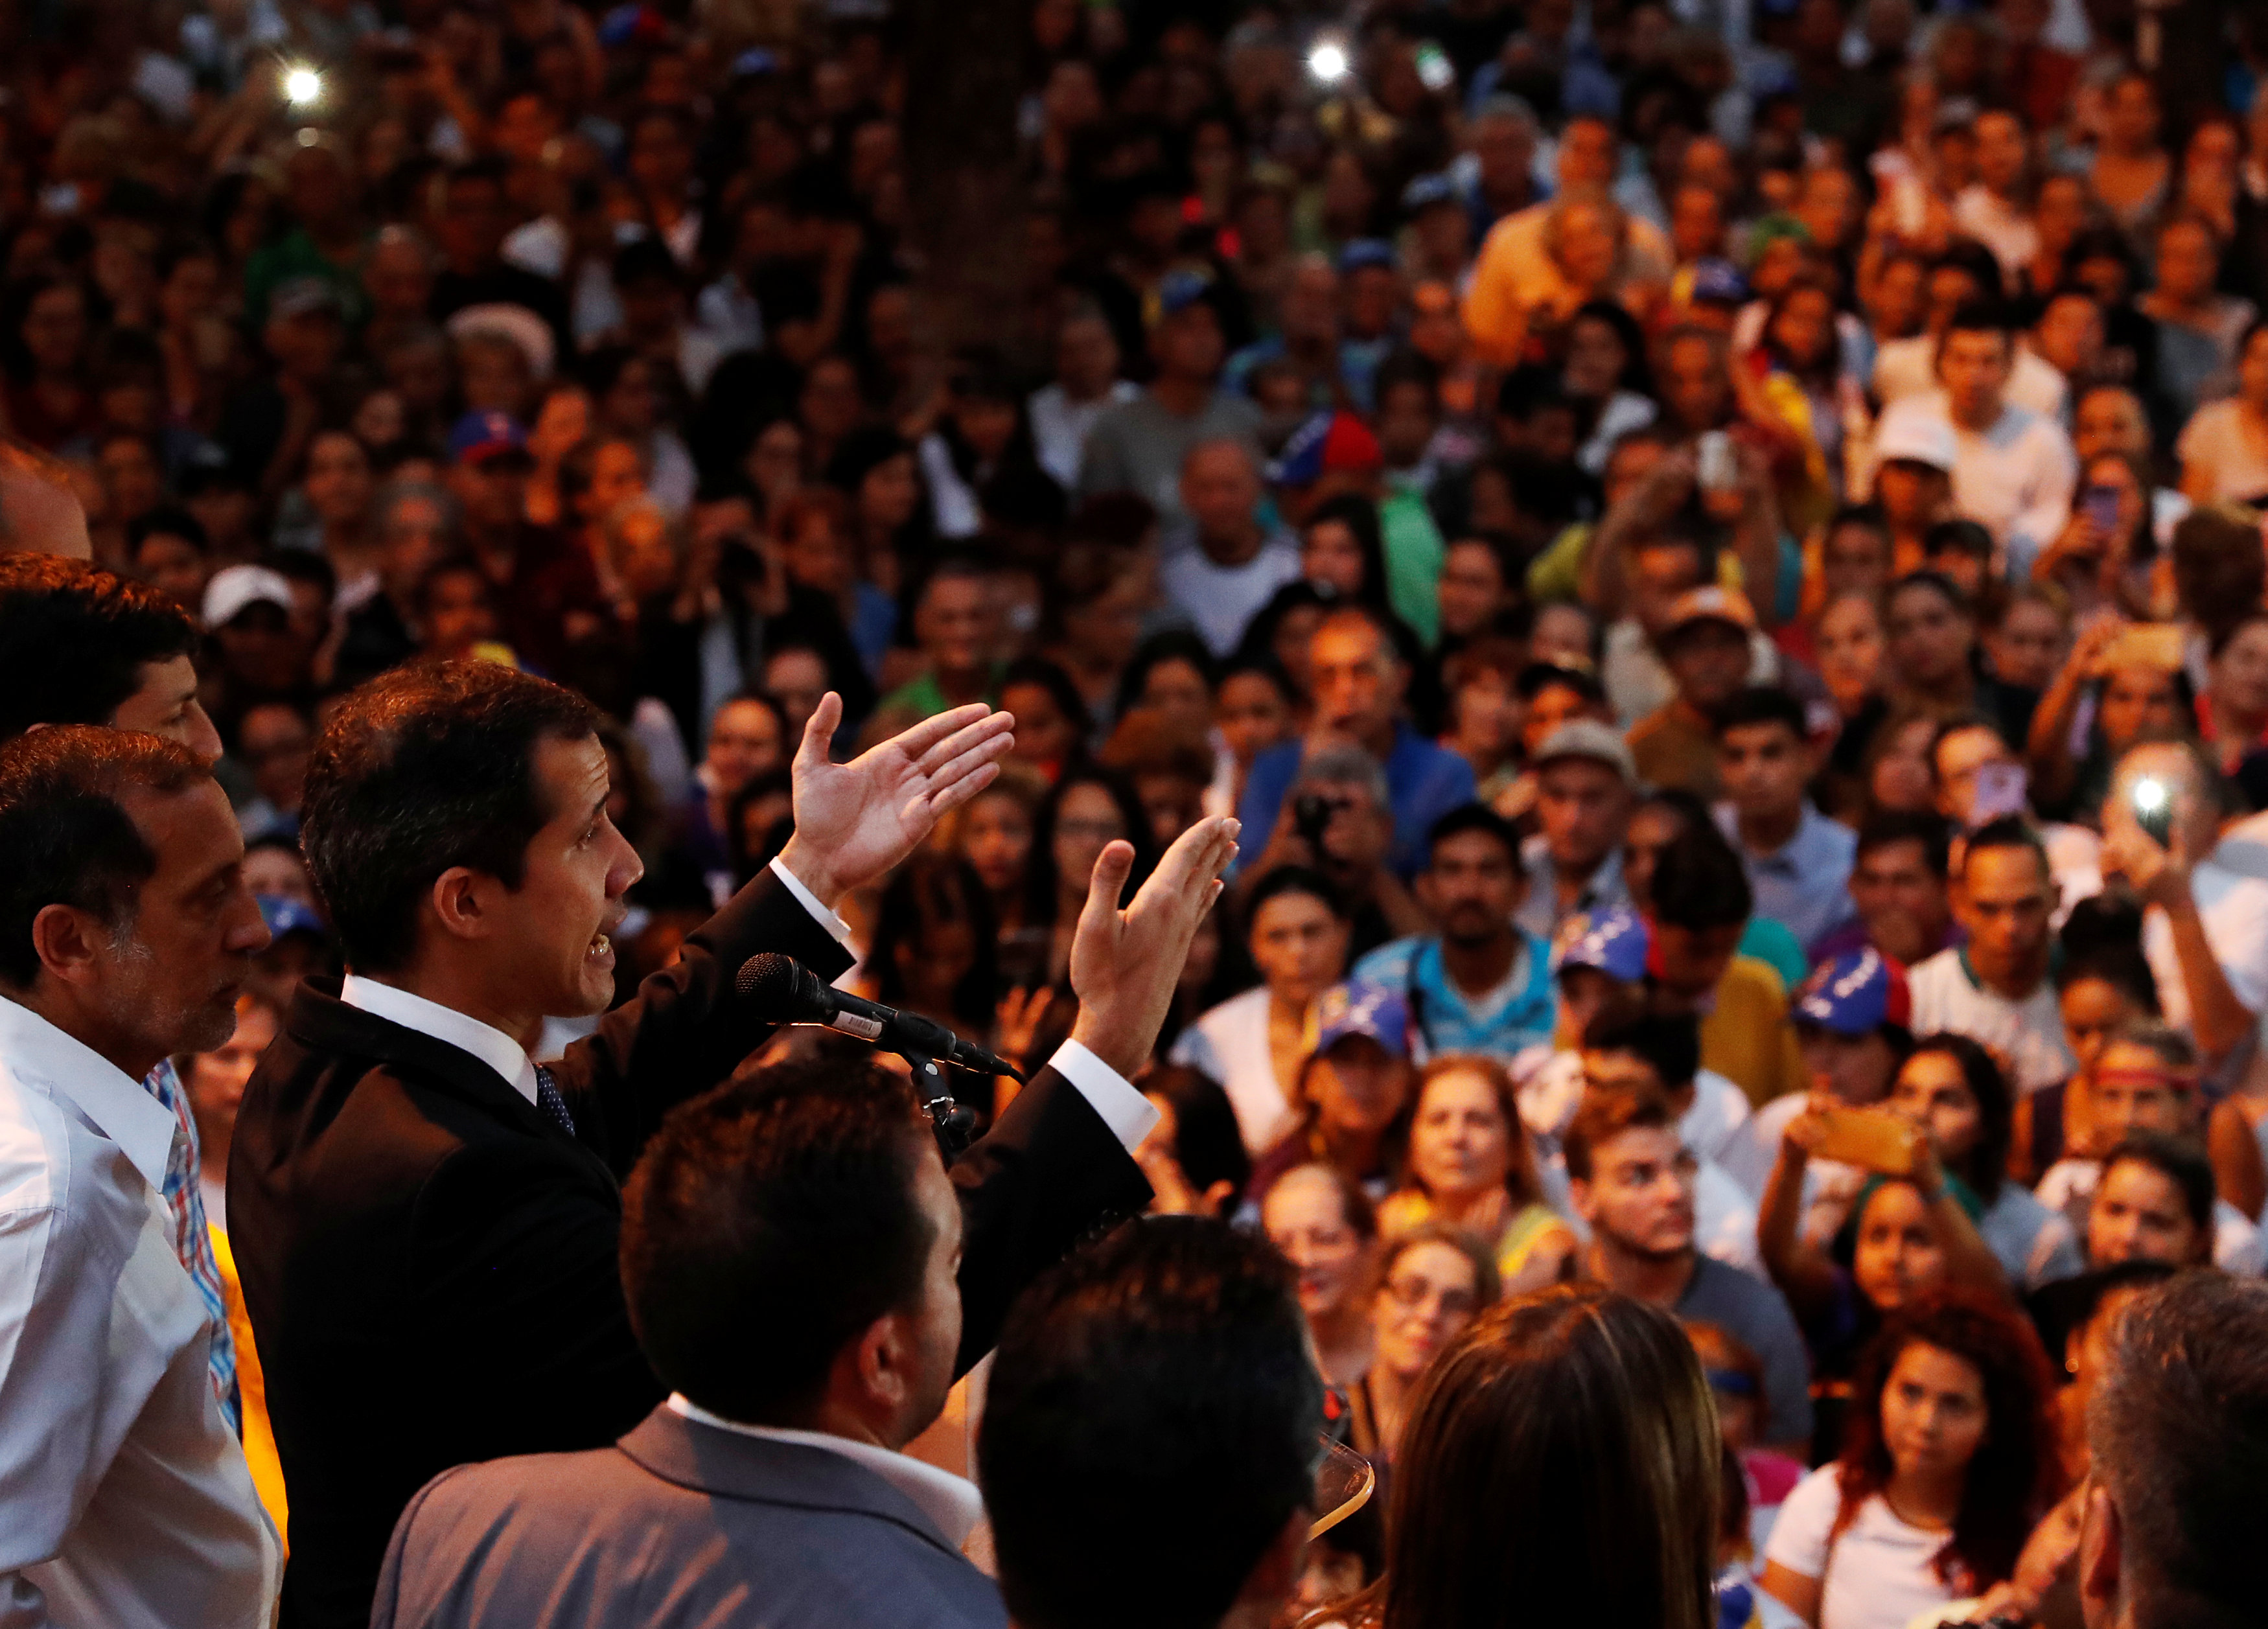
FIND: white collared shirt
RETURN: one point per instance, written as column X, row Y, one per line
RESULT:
column 499, row 1050
column 951, row 1502
column 124, row 1496
column 1129, row 1115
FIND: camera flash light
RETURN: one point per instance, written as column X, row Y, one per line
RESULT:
column 2149, row 795
column 1327, row 61
column 303, row 85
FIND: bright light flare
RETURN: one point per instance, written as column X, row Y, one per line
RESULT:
column 1327, row 60
column 303, row 86
column 2149, row 796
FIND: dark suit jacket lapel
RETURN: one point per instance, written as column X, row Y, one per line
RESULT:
column 728, row 1465
column 321, row 1022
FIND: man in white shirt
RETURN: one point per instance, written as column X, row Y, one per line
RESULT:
column 2013, row 469
column 1996, row 990
column 1991, row 208
column 1904, row 368
column 792, row 1259
column 1222, row 565
column 1086, row 381
column 124, row 1496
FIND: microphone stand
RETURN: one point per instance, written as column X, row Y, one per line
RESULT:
column 952, row 1123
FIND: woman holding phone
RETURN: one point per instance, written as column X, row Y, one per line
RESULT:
column 1910, row 1232
column 2107, row 557
column 2125, row 680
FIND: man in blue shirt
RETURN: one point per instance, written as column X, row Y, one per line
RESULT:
column 1482, row 984
column 1359, row 681
column 1798, row 860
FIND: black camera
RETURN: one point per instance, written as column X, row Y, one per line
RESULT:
column 1311, row 816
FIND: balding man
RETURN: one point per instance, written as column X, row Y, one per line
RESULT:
column 1222, row 565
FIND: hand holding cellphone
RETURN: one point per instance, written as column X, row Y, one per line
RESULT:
column 1872, row 1138
column 1716, row 467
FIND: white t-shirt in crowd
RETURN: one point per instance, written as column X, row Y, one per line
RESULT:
column 1877, row 1574
column 2028, row 1033
column 2215, row 443
column 2005, row 228
column 1230, row 1043
column 2016, row 480
column 1711, row 1122
column 1221, row 600
column 2230, row 885
column 1059, row 427
column 1908, row 367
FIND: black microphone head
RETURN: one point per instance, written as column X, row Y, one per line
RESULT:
column 769, row 982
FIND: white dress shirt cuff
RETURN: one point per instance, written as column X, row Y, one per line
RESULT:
column 809, row 900
column 1129, row 1115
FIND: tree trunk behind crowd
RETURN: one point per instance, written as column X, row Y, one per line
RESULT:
column 964, row 78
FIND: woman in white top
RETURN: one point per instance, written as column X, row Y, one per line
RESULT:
column 1952, row 1458
column 1254, row 1044
column 2224, row 447
column 1952, row 1089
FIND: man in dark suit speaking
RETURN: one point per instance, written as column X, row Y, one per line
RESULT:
column 426, row 1223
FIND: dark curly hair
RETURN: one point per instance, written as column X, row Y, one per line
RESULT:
column 2012, row 1478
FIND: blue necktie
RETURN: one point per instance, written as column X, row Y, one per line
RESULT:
column 547, row 1098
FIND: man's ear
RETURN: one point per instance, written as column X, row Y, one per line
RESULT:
column 459, row 899
column 2102, row 1543
column 65, row 939
column 881, row 1362
column 1579, row 1195
column 1274, row 1577
column 1422, row 887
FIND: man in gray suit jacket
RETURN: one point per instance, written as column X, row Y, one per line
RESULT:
column 790, row 1248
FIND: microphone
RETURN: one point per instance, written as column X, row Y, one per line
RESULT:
column 782, row 991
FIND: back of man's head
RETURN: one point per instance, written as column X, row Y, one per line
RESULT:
column 1150, row 1430
column 1669, row 1043
column 1762, row 704
column 74, row 640
column 420, row 770
column 66, row 835
column 1699, row 883
column 768, row 1223
column 1888, row 828
column 2179, row 1427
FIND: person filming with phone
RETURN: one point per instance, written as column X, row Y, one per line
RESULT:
column 2205, row 922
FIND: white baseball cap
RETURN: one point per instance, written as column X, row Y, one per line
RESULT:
column 1910, row 431
column 237, row 587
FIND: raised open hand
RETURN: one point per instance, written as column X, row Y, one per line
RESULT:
column 854, row 821
column 1125, row 964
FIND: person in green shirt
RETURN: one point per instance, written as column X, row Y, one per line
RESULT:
column 328, row 240
column 953, row 626
column 1336, row 453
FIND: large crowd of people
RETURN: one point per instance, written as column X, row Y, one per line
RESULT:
column 1582, row 688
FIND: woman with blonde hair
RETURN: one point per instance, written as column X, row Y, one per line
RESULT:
column 1561, row 1464
column 1471, row 1168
